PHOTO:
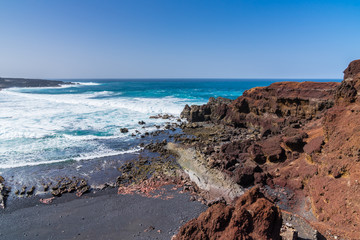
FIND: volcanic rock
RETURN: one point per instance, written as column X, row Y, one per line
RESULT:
column 252, row 217
column 314, row 146
column 124, row 130
column 272, row 149
column 299, row 140
column 296, row 143
column 348, row 90
column 4, row 191
column 31, row 191
column 268, row 108
column 214, row 110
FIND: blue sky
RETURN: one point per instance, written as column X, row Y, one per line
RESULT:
column 178, row 38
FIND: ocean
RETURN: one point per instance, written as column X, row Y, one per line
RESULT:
column 72, row 124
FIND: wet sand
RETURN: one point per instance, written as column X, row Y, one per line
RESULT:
column 99, row 215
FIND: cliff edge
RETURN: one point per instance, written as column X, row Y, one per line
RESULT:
column 297, row 141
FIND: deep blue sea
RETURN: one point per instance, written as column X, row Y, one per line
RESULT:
column 82, row 122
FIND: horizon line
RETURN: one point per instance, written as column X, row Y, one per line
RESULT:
column 191, row 78
column 177, row 78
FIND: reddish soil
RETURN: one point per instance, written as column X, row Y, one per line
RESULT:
column 301, row 141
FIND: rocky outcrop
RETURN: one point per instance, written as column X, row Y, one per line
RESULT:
column 299, row 141
column 347, row 92
column 3, row 192
column 216, row 183
column 67, row 185
column 214, row 110
column 334, row 189
column 24, row 82
column 268, row 108
column 252, row 217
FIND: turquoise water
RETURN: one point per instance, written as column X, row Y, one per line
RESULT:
column 83, row 121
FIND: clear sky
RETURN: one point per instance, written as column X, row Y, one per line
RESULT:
column 178, row 38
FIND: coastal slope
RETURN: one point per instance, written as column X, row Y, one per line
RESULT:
column 297, row 142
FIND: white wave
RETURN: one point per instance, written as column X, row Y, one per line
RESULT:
column 36, row 128
column 106, row 94
column 90, row 137
column 36, row 116
column 108, row 153
column 25, row 164
column 83, row 157
column 164, row 105
column 31, row 88
column 87, row 83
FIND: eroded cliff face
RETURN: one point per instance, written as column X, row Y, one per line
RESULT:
column 268, row 109
column 299, row 141
column 273, row 122
column 334, row 190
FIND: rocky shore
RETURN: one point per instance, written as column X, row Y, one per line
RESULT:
column 25, row 82
column 278, row 162
column 292, row 146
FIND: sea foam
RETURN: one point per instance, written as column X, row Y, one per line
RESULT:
column 38, row 128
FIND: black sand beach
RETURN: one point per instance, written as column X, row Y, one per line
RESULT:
column 100, row 215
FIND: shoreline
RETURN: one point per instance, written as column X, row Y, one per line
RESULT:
column 100, row 215
column 212, row 187
column 25, row 82
column 257, row 158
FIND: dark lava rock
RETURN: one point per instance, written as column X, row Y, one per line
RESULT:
column 124, row 130
column 56, row 193
column 141, row 123
column 45, row 187
column 215, row 110
column 23, row 190
column 165, row 116
column 256, row 154
column 4, row 192
column 31, row 191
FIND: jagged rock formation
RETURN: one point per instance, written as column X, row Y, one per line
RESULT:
column 252, row 217
column 214, row 110
column 268, row 109
column 274, row 115
column 299, row 141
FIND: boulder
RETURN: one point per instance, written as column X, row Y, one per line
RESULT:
column 4, row 191
column 124, row 130
column 252, row 217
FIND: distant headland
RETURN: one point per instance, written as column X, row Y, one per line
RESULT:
column 25, row 82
